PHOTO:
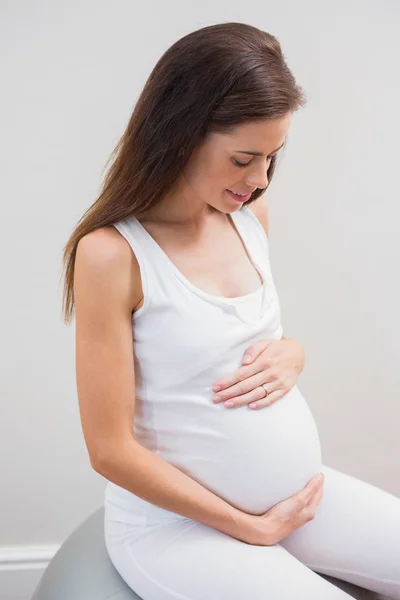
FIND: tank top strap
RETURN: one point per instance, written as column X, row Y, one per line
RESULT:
column 252, row 232
column 146, row 256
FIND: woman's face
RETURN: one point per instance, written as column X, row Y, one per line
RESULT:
column 214, row 167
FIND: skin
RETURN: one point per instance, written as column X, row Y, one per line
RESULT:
column 191, row 224
column 199, row 193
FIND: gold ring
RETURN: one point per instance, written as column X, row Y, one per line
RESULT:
column 266, row 391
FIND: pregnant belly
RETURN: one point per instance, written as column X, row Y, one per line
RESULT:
column 253, row 459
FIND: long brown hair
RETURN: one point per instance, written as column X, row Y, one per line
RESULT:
column 210, row 80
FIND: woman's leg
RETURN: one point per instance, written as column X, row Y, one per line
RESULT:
column 354, row 536
column 186, row 560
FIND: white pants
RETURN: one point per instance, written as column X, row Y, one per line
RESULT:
column 355, row 536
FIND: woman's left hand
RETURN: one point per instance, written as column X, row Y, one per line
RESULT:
column 275, row 363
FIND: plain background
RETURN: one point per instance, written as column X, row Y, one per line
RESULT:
column 71, row 73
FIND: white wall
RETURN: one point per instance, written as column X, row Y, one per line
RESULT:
column 70, row 76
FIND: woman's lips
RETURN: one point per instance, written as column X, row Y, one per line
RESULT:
column 239, row 198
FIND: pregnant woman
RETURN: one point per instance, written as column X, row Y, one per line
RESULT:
column 170, row 276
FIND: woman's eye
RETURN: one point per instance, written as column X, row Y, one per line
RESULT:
column 239, row 164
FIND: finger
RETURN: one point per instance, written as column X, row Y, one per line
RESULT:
column 239, row 375
column 268, row 400
column 255, row 396
column 311, row 508
column 315, row 499
column 255, row 350
column 245, row 399
column 307, row 493
column 243, row 387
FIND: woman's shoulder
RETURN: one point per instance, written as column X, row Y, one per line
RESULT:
column 105, row 257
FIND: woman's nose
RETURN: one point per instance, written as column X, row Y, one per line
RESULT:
column 257, row 180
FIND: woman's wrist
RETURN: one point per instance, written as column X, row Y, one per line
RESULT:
column 254, row 529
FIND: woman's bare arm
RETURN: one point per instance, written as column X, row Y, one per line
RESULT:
column 107, row 286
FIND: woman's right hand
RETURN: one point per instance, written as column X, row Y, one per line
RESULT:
column 288, row 515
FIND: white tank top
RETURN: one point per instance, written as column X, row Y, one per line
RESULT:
column 186, row 339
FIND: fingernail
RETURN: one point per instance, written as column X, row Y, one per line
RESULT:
column 216, row 388
column 247, row 357
column 216, row 398
column 229, row 403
